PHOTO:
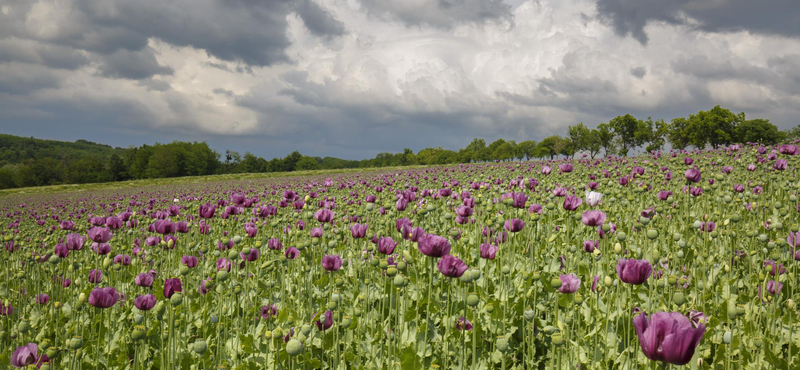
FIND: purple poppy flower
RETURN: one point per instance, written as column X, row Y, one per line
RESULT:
column 433, row 245
column 269, row 311
column 100, row 234
column 451, row 266
column 331, row 262
column 591, row 245
column 358, row 231
column 519, row 200
column 664, row 194
column 61, row 250
column 593, row 218
column 708, row 226
column 28, row 355
column 42, row 299
column 386, row 245
column 95, row 276
column 773, row 288
column 668, row 337
column 75, row 242
column 292, row 253
column 145, row 302
column 325, row 325
column 144, row 280
column 463, row 324
column 774, row 268
column 572, row 202
column 793, row 239
column 324, row 215
column 274, row 244
column 122, row 259
column 206, row 211
column 693, row 175
column 535, row 208
column 697, row 318
column 488, row 251
column 172, row 286
column 565, row 167
column 594, row 283
column 315, row 232
column 569, row 283
column 634, row 271
column 189, row 261
column 103, row 297
column 514, row 225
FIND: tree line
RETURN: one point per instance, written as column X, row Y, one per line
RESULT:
column 35, row 162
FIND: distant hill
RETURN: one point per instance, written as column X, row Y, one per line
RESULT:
column 17, row 149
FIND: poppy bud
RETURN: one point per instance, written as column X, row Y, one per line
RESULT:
column 758, row 342
column 790, row 304
column 607, row 281
column 473, row 300
column 727, row 337
column 278, row 332
column 617, row 248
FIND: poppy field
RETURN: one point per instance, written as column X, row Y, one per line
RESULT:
column 663, row 260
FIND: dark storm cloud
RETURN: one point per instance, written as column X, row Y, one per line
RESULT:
column 780, row 73
column 440, row 13
column 768, row 17
column 135, row 65
column 247, row 31
column 639, row 72
column 53, row 56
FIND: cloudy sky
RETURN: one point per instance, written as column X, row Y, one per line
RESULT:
column 351, row 78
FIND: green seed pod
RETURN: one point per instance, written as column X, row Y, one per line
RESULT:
column 652, row 234
column 346, row 322
column 233, row 254
column 529, row 315
column 176, row 299
column 502, row 345
column 678, row 298
column 138, row 332
column 790, row 304
column 607, row 281
column 54, row 259
column 578, row 298
column 555, row 283
column 391, row 271
column 222, row 275
column 758, row 342
column 740, row 310
column 505, row 270
column 23, row 326
column 399, row 281
column 727, row 337
column 402, row 266
column 557, row 339
column 75, row 343
column 489, row 307
column 305, row 329
column 473, row 300
column 476, row 274
column 383, row 264
column 200, row 347
column 536, row 276
column 294, row 347
column 183, row 270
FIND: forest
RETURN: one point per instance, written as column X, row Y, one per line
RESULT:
column 34, row 162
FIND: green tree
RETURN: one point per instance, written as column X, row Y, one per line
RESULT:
column 116, row 168
column 714, row 127
column 605, row 135
column 628, row 131
column 526, row 149
column 307, row 163
column 677, row 133
column 758, row 131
